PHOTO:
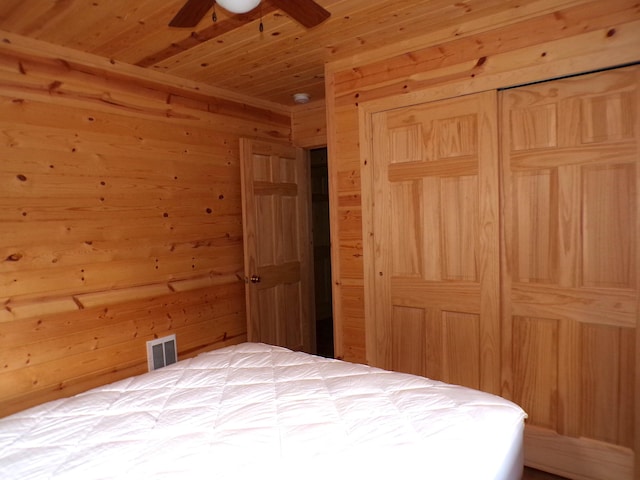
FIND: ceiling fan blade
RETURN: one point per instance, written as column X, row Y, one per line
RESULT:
column 306, row 12
column 191, row 13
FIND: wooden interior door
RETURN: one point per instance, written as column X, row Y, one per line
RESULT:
column 277, row 244
column 571, row 203
column 433, row 285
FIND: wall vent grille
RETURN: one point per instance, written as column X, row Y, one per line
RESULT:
column 162, row 352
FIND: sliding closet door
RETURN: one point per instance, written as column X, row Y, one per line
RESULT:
column 432, row 287
column 571, row 201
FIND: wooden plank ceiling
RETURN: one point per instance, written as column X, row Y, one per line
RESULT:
column 232, row 53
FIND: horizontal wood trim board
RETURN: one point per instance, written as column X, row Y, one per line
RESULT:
column 615, row 308
column 453, row 297
column 588, row 458
column 615, row 153
column 38, row 308
column 272, row 275
column 269, row 188
column 407, row 171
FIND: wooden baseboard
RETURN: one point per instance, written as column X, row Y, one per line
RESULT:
column 577, row 458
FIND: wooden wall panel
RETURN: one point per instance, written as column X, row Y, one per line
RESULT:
column 544, row 42
column 351, row 84
column 309, row 125
column 120, row 219
column 592, row 246
column 52, row 355
column 351, row 302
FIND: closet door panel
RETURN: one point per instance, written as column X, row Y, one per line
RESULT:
column 435, row 294
column 536, row 386
column 533, row 248
column 570, row 170
column 608, row 218
column 408, row 334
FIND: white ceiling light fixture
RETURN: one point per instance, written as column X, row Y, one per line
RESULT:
column 301, row 97
column 238, row 6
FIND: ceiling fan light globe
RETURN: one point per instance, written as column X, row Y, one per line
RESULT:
column 238, row 6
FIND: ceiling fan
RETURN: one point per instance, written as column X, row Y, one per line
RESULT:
column 305, row 12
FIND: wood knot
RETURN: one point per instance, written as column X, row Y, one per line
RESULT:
column 14, row 257
column 53, row 86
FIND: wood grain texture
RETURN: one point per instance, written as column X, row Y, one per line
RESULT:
column 232, row 52
column 434, row 271
column 97, row 119
column 577, row 351
column 277, row 248
column 565, row 39
column 533, row 474
column 121, row 221
column 309, row 125
column 354, row 81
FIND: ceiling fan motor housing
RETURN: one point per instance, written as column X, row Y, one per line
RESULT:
column 306, row 12
column 238, row 6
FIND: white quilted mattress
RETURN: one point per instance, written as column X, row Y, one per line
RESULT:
column 262, row 412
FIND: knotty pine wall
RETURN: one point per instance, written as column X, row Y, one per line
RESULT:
column 120, row 218
column 534, row 41
column 540, row 41
column 309, row 125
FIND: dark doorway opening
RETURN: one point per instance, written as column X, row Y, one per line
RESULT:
column 321, row 251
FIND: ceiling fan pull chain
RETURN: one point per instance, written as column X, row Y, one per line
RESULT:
column 214, row 17
column 261, row 25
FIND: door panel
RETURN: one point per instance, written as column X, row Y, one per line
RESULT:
column 568, row 339
column 570, row 178
column 435, row 228
column 276, row 211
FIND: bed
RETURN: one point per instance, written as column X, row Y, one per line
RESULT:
column 259, row 411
